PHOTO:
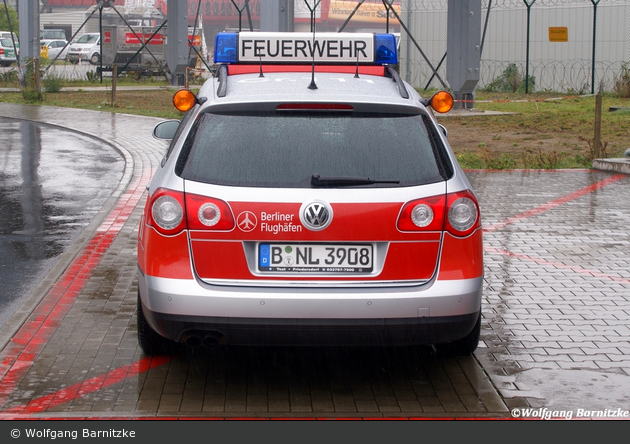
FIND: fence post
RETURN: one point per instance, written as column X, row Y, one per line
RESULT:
column 529, row 10
column 114, row 77
column 595, row 3
column 597, row 137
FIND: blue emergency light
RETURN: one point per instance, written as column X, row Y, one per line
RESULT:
column 386, row 51
column 346, row 48
column 225, row 47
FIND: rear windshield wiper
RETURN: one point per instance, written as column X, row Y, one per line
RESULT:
column 318, row 181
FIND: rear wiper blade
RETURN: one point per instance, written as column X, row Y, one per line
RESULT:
column 318, row 181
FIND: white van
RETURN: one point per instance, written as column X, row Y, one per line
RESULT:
column 86, row 48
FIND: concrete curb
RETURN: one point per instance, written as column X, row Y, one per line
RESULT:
column 616, row 165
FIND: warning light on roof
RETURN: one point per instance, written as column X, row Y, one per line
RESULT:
column 184, row 100
column 442, row 101
column 304, row 47
column 386, row 53
column 225, row 47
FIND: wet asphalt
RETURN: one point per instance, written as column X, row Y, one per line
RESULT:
column 52, row 184
column 554, row 334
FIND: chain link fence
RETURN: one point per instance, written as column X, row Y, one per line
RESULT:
column 595, row 54
column 592, row 58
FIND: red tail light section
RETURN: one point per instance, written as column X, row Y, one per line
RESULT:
column 206, row 213
column 314, row 107
column 425, row 214
column 171, row 212
column 457, row 213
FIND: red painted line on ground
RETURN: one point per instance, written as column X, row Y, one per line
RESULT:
column 68, row 394
column 21, row 352
column 555, row 203
column 557, row 265
column 529, row 170
column 551, row 99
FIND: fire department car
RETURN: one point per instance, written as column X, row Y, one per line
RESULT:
column 308, row 196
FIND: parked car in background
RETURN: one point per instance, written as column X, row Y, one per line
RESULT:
column 51, row 49
column 7, row 35
column 7, row 51
column 86, row 48
column 52, row 34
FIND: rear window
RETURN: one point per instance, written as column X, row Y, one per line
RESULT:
column 285, row 150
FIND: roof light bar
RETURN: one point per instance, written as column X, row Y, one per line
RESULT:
column 304, row 47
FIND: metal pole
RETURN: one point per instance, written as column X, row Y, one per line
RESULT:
column 438, row 67
column 6, row 9
column 595, row 3
column 485, row 27
column 529, row 10
column 388, row 6
column 426, row 59
column 408, row 45
column 597, row 137
column 100, row 40
column 350, row 16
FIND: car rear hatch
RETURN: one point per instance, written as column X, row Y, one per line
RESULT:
column 305, row 198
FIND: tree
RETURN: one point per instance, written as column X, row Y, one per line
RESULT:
column 9, row 15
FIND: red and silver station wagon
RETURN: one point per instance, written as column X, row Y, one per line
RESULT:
column 309, row 196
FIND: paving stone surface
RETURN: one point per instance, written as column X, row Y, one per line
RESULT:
column 555, row 329
column 557, row 294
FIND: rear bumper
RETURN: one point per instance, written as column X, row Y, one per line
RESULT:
column 440, row 311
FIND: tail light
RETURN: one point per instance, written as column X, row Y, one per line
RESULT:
column 463, row 213
column 167, row 211
column 423, row 214
column 458, row 213
column 1, row 51
column 206, row 213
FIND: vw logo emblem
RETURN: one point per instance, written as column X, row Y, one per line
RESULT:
column 316, row 215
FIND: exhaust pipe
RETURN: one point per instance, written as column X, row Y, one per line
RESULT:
column 212, row 340
column 192, row 341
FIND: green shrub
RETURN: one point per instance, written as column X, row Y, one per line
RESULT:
column 52, row 83
column 622, row 82
column 512, row 80
column 30, row 90
column 92, row 76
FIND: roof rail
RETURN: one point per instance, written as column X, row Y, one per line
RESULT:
column 401, row 86
column 222, row 90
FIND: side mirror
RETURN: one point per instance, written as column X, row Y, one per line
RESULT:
column 444, row 130
column 166, row 129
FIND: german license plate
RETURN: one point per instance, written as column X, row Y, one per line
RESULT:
column 315, row 258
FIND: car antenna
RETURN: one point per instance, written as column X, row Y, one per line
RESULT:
column 313, row 85
column 356, row 73
column 261, row 73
